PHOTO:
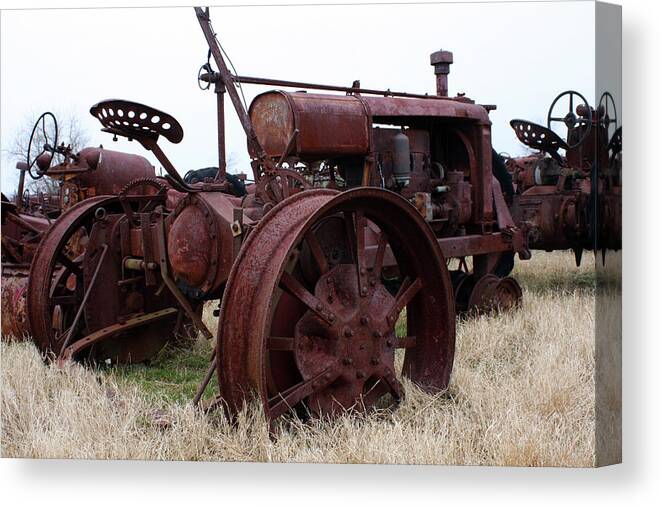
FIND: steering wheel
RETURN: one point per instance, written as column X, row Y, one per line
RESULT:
column 41, row 136
column 608, row 114
column 204, row 69
column 571, row 120
column 538, row 137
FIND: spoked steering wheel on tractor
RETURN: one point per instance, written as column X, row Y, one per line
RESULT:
column 41, row 143
column 574, row 119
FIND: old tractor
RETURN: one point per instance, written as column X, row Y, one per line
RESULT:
column 361, row 199
column 74, row 178
column 568, row 194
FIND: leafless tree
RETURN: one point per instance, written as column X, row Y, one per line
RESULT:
column 69, row 131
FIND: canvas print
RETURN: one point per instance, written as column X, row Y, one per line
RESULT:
column 229, row 234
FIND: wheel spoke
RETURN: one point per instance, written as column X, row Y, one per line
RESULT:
column 406, row 293
column 317, row 252
column 285, row 400
column 361, row 267
column 284, row 184
column 350, row 232
column 69, row 264
column 380, row 253
column 275, row 188
column 64, row 300
column 280, row 343
column 296, row 289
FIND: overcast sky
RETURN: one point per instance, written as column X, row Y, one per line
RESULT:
column 517, row 56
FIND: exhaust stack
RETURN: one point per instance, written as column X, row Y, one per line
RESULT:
column 441, row 60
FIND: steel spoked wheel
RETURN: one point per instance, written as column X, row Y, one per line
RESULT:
column 308, row 320
column 56, row 287
column 80, row 305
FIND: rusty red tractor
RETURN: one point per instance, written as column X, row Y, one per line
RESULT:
column 360, row 201
column 78, row 176
column 572, row 201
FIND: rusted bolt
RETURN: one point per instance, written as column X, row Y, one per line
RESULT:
column 348, row 331
column 390, row 343
column 364, row 320
column 348, row 361
column 363, row 291
column 376, row 334
column 362, row 271
column 375, row 361
column 360, row 374
column 320, row 307
column 372, row 282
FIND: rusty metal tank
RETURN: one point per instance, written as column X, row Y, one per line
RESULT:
column 109, row 171
column 328, row 125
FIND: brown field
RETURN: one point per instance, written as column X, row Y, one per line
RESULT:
column 522, row 394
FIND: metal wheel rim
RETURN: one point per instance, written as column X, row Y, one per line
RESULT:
column 243, row 357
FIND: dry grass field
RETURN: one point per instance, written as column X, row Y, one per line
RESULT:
column 522, row 394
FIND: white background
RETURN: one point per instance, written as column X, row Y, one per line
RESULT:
column 636, row 482
column 506, row 54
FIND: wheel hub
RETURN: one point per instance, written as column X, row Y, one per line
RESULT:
column 360, row 342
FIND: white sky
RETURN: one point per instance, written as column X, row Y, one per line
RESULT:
column 515, row 55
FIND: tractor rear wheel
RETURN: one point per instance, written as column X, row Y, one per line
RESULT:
column 307, row 321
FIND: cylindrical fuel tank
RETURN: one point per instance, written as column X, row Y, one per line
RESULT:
column 328, row 125
column 111, row 170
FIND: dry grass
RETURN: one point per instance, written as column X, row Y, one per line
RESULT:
column 522, row 393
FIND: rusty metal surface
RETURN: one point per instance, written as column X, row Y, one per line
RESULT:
column 572, row 201
column 113, row 170
column 384, row 108
column 329, row 125
column 53, row 259
column 333, row 335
